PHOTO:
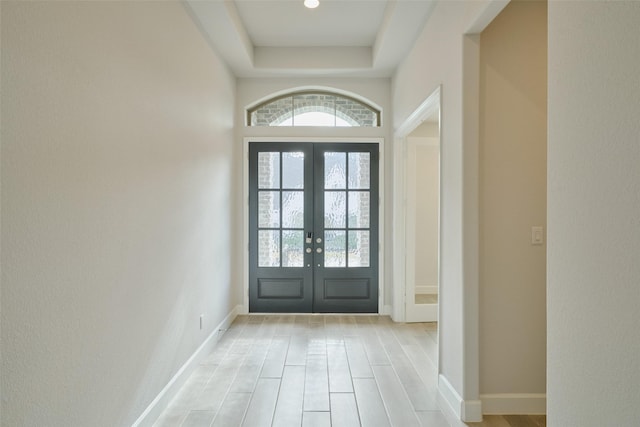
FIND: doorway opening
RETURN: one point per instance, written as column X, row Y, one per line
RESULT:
column 423, row 221
column 417, row 214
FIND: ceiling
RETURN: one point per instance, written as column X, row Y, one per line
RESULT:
column 282, row 38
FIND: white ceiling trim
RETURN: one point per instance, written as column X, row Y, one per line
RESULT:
column 312, row 58
column 221, row 24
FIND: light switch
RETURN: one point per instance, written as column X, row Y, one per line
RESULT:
column 537, row 236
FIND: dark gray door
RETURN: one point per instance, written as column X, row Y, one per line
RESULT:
column 313, row 227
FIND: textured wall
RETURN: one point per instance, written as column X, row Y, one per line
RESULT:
column 593, row 376
column 513, row 198
column 437, row 59
column 116, row 214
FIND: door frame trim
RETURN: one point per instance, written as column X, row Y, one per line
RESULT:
column 245, row 205
column 430, row 105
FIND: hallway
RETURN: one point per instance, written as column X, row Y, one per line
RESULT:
column 314, row 370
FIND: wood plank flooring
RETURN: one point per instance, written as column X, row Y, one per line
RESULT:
column 319, row 370
column 511, row 421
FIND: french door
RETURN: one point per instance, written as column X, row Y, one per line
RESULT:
column 313, row 227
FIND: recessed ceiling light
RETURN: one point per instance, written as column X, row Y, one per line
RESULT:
column 311, row 4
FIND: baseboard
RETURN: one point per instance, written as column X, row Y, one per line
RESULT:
column 451, row 401
column 427, row 289
column 158, row 405
column 514, row 403
column 472, row 411
column 386, row 310
column 456, row 410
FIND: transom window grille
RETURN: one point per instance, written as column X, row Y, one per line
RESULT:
column 314, row 109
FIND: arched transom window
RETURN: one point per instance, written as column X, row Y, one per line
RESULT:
column 313, row 108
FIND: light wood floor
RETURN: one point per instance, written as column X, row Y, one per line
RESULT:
column 318, row 370
column 511, row 421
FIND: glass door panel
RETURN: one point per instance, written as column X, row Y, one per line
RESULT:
column 346, row 275
column 281, row 209
column 347, row 212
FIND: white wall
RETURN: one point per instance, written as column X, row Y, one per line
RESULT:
column 428, row 129
column 593, row 376
column 513, row 137
column 1, row 126
column 117, row 135
column 375, row 90
column 437, row 58
column 423, row 166
column 428, row 159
